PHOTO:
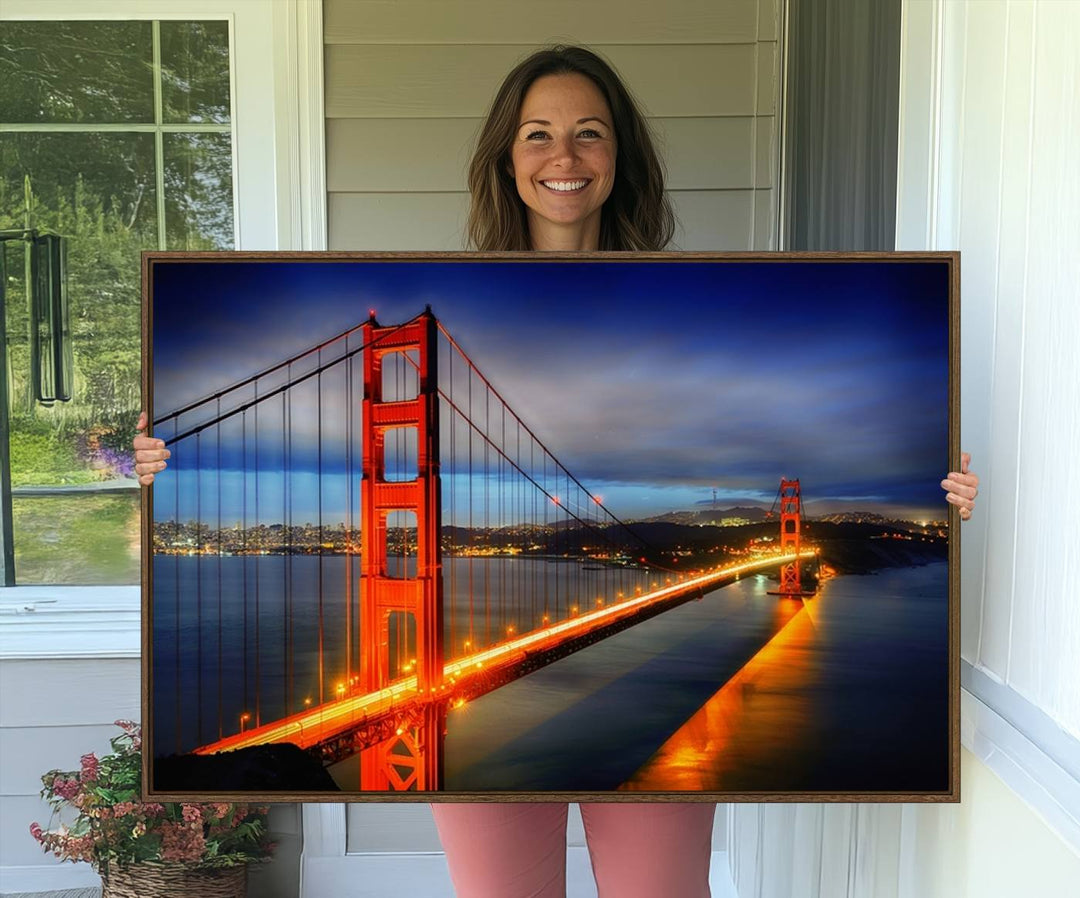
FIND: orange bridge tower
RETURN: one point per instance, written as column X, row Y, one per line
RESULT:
column 411, row 756
column 790, row 497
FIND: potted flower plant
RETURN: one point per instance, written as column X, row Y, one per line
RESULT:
column 147, row 848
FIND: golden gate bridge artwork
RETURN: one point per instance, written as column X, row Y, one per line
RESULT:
column 357, row 546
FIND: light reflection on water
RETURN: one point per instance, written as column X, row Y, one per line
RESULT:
column 850, row 695
column 238, row 635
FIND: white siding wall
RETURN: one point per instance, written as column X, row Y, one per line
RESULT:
column 992, row 845
column 52, row 713
column 989, row 150
column 1009, row 200
column 68, row 669
column 408, row 83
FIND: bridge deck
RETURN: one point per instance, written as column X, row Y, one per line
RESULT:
column 482, row 671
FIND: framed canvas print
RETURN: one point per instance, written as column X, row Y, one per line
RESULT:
column 540, row 526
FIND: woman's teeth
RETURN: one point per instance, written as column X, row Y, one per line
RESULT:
column 564, row 186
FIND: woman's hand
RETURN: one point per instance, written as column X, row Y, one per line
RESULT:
column 150, row 454
column 961, row 487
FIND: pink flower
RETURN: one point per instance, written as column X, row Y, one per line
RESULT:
column 181, row 842
column 192, row 814
column 36, row 831
column 89, row 767
column 65, row 788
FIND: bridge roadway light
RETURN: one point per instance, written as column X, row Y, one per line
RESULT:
column 244, row 718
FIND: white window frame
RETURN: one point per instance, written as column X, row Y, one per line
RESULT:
column 279, row 197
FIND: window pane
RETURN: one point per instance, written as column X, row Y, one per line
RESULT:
column 76, row 72
column 82, row 540
column 198, row 192
column 98, row 191
column 195, row 71
column 76, row 503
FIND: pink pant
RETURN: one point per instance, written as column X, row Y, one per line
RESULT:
column 518, row 850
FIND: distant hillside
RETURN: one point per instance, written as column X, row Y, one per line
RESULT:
column 855, row 517
column 719, row 517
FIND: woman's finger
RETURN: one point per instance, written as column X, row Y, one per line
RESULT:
column 152, row 453
column 964, row 488
column 961, row 502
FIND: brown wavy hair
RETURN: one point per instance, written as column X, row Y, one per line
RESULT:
column 637, row 214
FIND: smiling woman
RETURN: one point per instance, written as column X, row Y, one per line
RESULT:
column 563, row 160
column 563, row 116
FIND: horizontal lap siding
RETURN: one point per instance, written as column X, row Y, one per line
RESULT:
column 52, row 713
column 408, row 84
column 432, row 154
column 524, row 22
column 460, row 80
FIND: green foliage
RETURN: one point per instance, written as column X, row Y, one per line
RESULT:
column 76, row 72
column 114, row 827
column 41, row 458
column 77, row 539
column 104, row 295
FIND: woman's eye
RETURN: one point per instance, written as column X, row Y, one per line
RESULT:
column 536, row 135
column 589, row 132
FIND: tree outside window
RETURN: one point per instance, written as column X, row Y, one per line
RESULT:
column 117, row 136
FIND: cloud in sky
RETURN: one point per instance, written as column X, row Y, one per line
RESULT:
column 652, row 381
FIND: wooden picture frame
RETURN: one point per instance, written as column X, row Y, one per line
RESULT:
column 566, row 462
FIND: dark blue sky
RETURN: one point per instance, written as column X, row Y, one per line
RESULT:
column 653, row 382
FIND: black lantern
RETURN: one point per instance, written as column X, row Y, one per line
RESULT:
column 51, row 360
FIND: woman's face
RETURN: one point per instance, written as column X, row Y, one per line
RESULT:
column 563, row 160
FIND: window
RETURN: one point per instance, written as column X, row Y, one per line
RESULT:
column 118, row 136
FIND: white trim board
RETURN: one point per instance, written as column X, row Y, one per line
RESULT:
column 69, row 621
column 50, row 622
column 1024, row 766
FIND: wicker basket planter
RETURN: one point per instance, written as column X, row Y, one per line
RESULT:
column 174, row 881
